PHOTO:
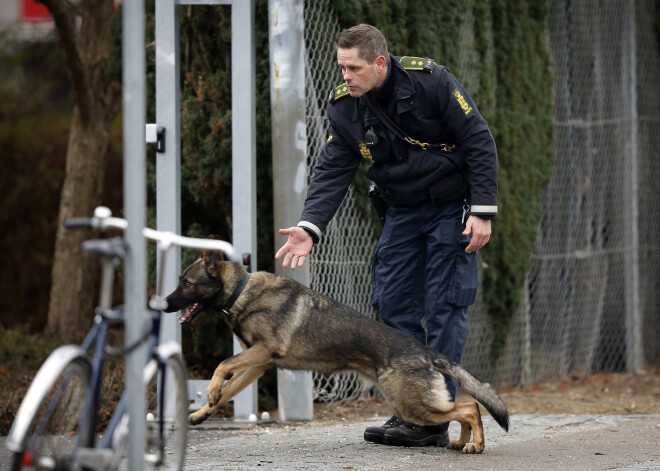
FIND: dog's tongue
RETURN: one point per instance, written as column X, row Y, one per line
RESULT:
column 186, row 313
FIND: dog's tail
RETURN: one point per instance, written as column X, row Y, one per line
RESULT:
column 482, row 392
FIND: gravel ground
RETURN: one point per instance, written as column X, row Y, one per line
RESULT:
column 601, row 422
column 534, row 442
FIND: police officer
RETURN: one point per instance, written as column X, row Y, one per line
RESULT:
column 435, row 165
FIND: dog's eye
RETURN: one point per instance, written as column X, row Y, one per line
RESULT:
column 186, row 284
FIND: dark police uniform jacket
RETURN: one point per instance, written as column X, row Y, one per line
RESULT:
column 430, row 105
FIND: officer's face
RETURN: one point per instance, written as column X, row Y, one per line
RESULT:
column 360, row 75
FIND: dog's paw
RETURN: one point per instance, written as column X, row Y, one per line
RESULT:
column 196, row 418
column 456, row 445
column 472, row 448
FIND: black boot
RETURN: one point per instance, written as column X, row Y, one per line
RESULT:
column 375, row 434
column 416, row 435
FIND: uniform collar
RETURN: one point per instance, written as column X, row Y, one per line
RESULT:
column 403, row 93
column 404, row 88
column 383, row 94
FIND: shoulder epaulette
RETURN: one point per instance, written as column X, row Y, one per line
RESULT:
column 417, row 63
column 338, row 92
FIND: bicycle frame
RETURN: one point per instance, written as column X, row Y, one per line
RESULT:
column 104, row 454
column 98, row 336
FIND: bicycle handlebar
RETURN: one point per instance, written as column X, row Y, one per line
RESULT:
column 103, row 220
column 165, row 239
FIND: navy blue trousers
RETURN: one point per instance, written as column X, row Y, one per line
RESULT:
column 421, row 272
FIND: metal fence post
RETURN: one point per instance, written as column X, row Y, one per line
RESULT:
column 631, row 195
column 168, row 178
column 168, row 155
column 134, row 206
column 289, row 144
column 244, row 159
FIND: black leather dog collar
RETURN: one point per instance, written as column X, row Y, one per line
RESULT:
column 237, row 292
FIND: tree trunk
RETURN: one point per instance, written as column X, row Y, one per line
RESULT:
column 75, row 276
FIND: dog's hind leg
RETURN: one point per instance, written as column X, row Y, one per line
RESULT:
column 236, row 384
column 469, row 416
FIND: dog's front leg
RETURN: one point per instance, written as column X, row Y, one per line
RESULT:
column 236, row 384
column 255, row 356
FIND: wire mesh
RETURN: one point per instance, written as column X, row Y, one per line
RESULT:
column 341, row 265
column 590, row 299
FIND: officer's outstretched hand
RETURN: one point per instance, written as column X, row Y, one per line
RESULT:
column 298, row 246
column 480, row 230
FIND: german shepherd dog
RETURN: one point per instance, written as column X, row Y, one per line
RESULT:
column 281, row 323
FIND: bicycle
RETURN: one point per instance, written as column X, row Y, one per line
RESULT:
column 55, row 426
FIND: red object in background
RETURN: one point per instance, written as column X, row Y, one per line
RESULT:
column 33, row 12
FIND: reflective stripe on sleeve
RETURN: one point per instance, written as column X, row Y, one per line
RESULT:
column 312, row 227
column 483, row 209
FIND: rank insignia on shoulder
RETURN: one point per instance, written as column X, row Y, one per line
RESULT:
column 339, row 92
column 417, row 63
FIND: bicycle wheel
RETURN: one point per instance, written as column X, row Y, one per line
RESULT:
column 167, row 415
column 46, row 431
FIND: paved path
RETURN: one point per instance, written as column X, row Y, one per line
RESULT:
column 535, row 442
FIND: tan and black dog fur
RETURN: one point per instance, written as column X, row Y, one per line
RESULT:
column 281, row 323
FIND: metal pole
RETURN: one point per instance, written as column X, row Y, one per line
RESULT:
column 289, row 144
column 134, row 206
column 244, row 159
column 168, row 206
column 168, row 157
column 631, row 197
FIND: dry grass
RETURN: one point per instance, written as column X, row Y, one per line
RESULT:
column 21, row 355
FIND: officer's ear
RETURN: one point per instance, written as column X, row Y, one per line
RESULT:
column 381, row 63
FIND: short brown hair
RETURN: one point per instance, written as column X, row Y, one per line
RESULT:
column 369, row 41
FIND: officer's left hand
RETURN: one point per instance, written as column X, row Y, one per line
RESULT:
column 480, row 230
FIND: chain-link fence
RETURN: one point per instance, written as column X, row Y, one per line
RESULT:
column 341, row 265
column 590, row 299
column 591, row 295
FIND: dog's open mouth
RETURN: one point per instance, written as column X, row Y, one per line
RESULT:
column 190, row 312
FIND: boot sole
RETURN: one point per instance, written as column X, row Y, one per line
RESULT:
column 440, row 442
column 373, row 437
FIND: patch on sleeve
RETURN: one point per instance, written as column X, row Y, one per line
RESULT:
column 417, row 63
column 338, row 92
column 364, row 151
column 465, row 106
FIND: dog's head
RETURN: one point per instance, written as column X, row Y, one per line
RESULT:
column 199, row 286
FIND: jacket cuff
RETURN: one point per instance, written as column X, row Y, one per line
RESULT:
column 483, row 211
column 312, row 230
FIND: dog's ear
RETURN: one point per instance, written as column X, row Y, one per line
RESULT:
column 212, row 258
